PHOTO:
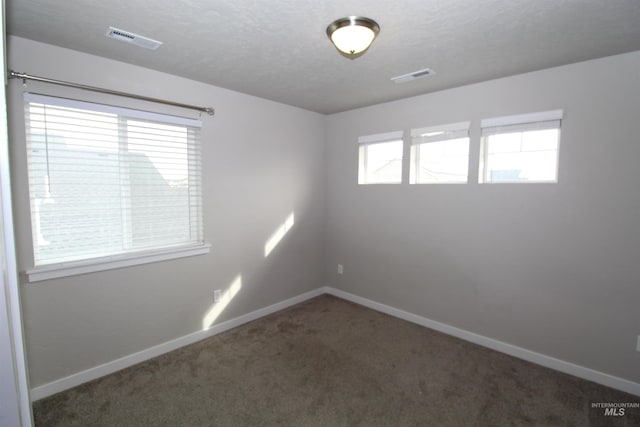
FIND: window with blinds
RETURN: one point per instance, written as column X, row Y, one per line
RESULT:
column 440, row 154
column 106, row 181
column 520, row 148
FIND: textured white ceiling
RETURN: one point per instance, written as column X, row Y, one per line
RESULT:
column 278, row 49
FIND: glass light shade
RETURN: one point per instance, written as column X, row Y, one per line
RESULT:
column 353, row 39
column 353, row 35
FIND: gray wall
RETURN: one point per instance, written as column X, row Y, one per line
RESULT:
column 262, row 161
column 553, row 268
column 549, row 267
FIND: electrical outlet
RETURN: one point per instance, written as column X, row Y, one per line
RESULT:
column 217, row 295
column 340, row 269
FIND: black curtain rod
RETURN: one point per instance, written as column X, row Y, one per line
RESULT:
column 25, row 77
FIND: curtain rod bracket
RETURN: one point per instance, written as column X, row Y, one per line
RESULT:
column 14, row 75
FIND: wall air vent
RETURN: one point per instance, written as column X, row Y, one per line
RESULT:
column 413, row 76
column 132, row 38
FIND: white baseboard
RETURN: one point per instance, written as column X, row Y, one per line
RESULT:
column 512, row 350
column 90, row 374
column 76, row 379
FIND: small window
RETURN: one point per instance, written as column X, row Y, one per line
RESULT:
column 521, row 148
column 380, row 158
column 108, row 181
column 440, row 154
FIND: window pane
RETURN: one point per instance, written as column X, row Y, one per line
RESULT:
column 540, row 140
column 104, row 184
column 506, row 143
column 73, row 167
column 521, row 156
column 441, row 162
column 381, row 163
column 159, row 178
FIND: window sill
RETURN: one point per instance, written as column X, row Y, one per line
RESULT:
column 109, row 263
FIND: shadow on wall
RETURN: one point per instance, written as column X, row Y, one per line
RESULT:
column 232, row 290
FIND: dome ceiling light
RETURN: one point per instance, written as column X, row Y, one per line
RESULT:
column 353, row 35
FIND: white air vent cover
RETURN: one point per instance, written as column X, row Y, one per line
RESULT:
column 413, row 76
column 132, row 38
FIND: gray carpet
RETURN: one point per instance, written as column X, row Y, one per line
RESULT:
column 328, row 362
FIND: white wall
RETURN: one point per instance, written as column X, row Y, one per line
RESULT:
column 262, row 161
column 553, row 268
column 15, row 405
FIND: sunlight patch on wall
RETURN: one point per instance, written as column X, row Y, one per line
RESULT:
column 278, row 235
column 224, row 301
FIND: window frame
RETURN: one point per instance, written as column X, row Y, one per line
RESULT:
column 518, row 123
column 441, row 133
column 382, row 138
column 56, row 269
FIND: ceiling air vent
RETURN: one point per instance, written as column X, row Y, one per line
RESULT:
column 413, row 76
column 132, row 38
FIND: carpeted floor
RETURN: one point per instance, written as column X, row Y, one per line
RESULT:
column 328, row 362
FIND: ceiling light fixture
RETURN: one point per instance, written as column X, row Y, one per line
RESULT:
column 353, row 35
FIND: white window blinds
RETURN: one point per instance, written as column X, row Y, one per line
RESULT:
column 380, row 137
column 440, row 133
column 107, row 181
column 521, row 123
